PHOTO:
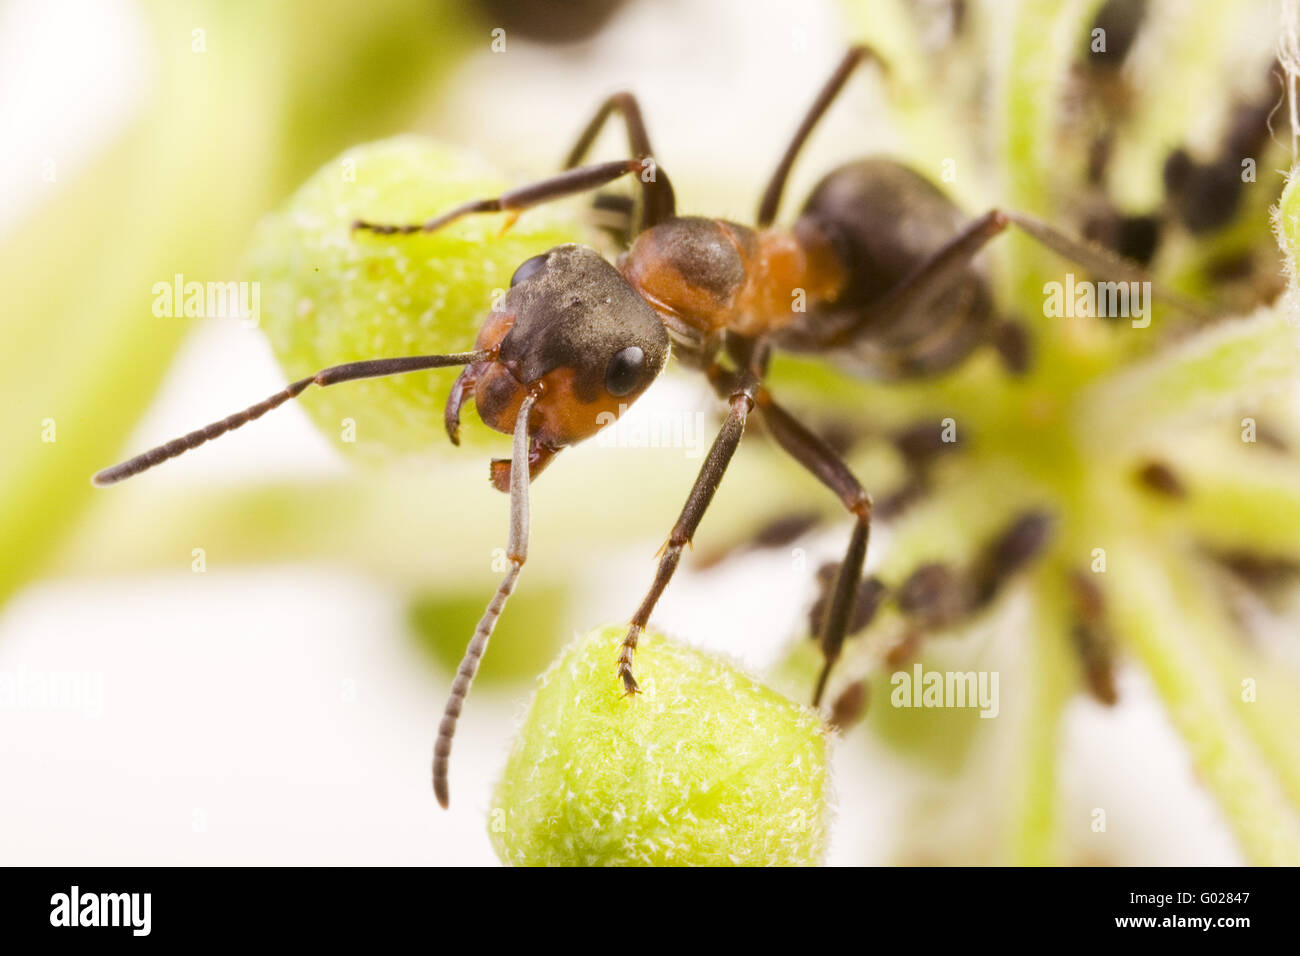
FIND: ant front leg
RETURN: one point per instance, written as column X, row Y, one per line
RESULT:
column 741, row 403
column 569, row 183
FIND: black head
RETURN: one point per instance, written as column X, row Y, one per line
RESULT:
column 576, row 326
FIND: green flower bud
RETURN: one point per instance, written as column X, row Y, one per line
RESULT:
column 330, row 295
column 705, row 767
column 1286, row 218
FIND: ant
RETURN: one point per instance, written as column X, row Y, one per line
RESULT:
column 887, row 263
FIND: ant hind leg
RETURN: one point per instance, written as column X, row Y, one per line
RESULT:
column 1100, row 261
column 771, row 201
column 826, row 466
column 949, row 264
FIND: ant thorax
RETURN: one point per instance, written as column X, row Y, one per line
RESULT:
column 707, row 276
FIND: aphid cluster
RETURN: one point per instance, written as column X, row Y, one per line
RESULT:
column 1204, row 191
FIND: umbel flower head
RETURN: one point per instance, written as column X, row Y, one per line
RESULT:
column 1123, row 472
column 1158, row 449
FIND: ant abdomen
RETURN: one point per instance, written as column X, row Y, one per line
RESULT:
column 885, row 220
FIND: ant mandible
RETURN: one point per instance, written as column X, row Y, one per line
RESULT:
column 886, row 261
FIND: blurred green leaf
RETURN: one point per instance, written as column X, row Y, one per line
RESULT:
column 177, row 194
column 523, row 643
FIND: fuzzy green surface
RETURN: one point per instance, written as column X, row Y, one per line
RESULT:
column 330, row 295
column 705, row 767
column 1287, row 221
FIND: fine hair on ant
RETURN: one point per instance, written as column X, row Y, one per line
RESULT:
column 894, row 288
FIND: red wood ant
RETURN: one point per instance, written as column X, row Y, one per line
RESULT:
column 888, row 266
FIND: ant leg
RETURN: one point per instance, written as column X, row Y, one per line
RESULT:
column 948, row 264
column 936, row 275
column 539, row 456
column 372, row 368
column 1099, row 260
column 516, row 553
column 829, row 468
column 741, row 403
column 657, row 194
column 568, row 183
column 771, row 201
column 638, row 140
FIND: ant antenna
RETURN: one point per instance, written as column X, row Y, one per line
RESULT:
column 373, row 368
column 517, row 552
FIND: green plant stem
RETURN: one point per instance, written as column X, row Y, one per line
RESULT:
column 1035, row 829
column 1179, row 651
column 1220, row 368
column 1044, row 40
column 1245, row 498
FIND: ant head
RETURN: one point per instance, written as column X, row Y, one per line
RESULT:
column 571, row 324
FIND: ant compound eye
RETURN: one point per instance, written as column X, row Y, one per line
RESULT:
column 528, row 268
column 624, row 371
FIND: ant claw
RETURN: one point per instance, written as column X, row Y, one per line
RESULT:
column 511, row 219
column 630, row 686
column 625, row 652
